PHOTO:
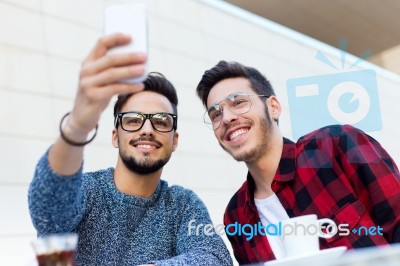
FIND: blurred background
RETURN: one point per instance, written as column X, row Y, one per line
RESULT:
column 43, row 42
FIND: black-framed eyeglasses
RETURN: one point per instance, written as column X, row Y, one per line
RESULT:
column 238, row 103
column 134, row 121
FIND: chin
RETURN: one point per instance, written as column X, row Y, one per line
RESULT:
column 243, row 157
column 237, row 155
column 246, row 154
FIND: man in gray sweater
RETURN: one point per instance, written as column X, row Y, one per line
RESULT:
column 126, row 215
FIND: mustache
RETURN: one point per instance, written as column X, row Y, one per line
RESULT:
column 149, row 139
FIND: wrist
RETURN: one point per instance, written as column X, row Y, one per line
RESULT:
column 73, row 134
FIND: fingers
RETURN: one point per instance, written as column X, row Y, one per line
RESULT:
column 112, row 75
column 101, row 75
column 105, row 43
column 99, row 70
column 106, row 62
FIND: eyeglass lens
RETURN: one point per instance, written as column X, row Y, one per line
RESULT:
column 134, row 121
column 237, row 103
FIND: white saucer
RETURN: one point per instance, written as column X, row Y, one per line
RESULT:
column 322, row 257
column 388, row 255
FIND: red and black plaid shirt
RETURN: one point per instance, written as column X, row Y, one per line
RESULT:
column 336, row 172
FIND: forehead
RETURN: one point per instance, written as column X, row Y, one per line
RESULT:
column 226, row 87
column 147, row 102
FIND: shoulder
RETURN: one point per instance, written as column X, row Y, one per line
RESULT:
column 183, row 202
column 328, row 131
column 332, row 132
column 179, row 195
column 100, row 174
column 98, row 177
column 175, row 190
column 338, row 140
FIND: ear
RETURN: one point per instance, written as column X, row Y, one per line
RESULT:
column 115, row 138
column 175, row 141
column 275, row 107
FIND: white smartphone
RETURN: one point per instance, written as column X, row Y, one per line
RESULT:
column 130, row 19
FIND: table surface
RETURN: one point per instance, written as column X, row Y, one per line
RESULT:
column 382, row 255
column 374, row 256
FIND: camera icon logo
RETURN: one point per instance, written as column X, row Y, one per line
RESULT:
column 340, row 98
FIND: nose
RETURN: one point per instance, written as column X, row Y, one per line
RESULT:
column 147, row 128
column 227, row 115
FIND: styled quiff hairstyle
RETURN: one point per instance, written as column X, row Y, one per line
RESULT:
column 224, row 70
column 155, row 82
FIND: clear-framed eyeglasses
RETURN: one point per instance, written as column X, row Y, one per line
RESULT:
column 134, row 121
column 238, row 103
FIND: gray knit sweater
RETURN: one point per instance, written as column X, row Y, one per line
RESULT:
column 118, row 229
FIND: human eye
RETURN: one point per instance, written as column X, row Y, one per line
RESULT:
column 132, row 119
column 214, row 114
column 239, row 100
column 162, row 120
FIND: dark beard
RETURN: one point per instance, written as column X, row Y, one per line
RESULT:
column 146, row 166
column 256, row 153
column 143, row 168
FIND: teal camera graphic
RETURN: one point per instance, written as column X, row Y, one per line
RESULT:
column 341, row 98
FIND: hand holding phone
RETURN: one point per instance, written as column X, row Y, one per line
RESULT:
column 131, row 20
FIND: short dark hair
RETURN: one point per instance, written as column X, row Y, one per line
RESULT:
column 155, row 82
column 224, row 70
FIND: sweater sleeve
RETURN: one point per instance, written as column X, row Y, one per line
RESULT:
column 56, row 203
column 197, row 240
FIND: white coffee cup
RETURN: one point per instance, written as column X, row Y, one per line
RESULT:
column 300, row 235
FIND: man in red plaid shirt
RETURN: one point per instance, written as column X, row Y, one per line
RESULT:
column 336, row 172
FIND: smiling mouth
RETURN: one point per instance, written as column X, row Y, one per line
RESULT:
column 238, row 133
column 145, row 146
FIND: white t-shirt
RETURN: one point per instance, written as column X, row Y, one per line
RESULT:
column 271, row 211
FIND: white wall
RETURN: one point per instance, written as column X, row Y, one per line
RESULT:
column 42, row 43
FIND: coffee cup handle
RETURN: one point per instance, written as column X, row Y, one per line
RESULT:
column 330, row 222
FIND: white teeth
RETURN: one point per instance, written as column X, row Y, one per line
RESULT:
column 238, row 133
column 145, row 146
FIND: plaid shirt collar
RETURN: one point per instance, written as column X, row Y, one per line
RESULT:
column 285, row 173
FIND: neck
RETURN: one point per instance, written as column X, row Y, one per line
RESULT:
column 264, row 169
column 135, row 184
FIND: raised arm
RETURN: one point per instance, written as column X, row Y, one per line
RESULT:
column 98, row 83
column 58, row 195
